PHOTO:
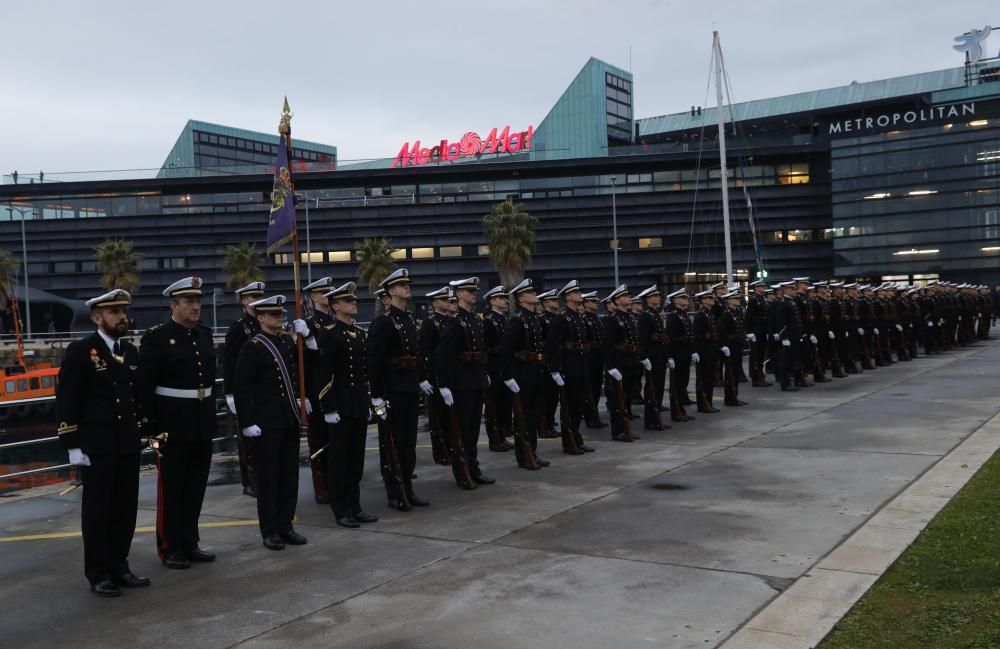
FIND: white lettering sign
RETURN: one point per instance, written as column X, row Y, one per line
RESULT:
column 932, row 114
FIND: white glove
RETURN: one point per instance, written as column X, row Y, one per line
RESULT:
column 861, row 332
column 309, row 406
column 312, row 344
column 671, row 364
column 695, row 358
column 812, row 339
column 558, row 378
column 426, row 387
column 231, row 402
column 489, row 381
column 899, row 327
column 725, row 351
column 959, row 318
column 251, row 431
column 449, row 399
column 300, row 327
column 512, row 385
column 332, row 417
column 909, row 326
column 776, row 337
column 876, row 331
column 831, row 334
column 646, row 364
column 847, row 334
column 941, row 322
column 378, row 402
column 615, row 374
column 930, row 323
column 78, row 458
column 786, row 343
column 752, row 337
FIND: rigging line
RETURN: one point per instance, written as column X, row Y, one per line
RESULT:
column 697, row 171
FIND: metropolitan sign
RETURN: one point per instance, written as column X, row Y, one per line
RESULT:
column 469, row 146
column 908, row 117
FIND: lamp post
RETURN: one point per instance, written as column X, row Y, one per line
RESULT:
column 24, row 257
column 215, row 320
column 309, row 262
column 614, row 225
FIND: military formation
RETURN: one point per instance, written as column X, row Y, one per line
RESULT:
column 527, row 362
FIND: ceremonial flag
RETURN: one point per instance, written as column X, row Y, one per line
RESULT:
column 281, row 221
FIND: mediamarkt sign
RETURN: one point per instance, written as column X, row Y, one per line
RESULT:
column 886, row 120
column 470, row 146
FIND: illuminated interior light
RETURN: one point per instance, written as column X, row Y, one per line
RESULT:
column 922, row 192
column 879, row 195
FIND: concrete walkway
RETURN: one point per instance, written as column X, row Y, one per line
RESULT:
column 677, row 540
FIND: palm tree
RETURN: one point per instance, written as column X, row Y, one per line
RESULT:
column 510, row 233
column 119, row 264
column 375, row 262
column 241, row 264
column 8, row 267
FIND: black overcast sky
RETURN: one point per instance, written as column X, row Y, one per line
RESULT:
column 109, row 85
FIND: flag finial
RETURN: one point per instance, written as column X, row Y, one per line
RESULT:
column 285, row 125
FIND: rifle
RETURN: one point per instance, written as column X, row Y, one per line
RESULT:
column 650, row 405
column 395, row 468
column 520, row 433
column 459, row 465
column 439, row 442
column 493, row 432
column 620, row 398
column 568, row 439
column 677, row 412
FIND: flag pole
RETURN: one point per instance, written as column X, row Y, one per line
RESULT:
column 285, row 128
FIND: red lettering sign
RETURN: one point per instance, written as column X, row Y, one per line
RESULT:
column 470, row 146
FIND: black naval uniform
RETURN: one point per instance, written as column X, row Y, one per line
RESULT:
column 460, row 363
column 316, row 436
column 732, row 334
column 653, row 345
column 787, row 324
column 621, row 346
column 756, row 323
column 428, row 338
column 345, row 392
column 97, row 410
column 550, row 392
column 240, row 331
column 265, row 400
column 181, row 361
column 681, row 332
column 494, row 325
column 395, row 372
column 705, row 345
column 595, row 369
column 522, row 356
column 566, row 350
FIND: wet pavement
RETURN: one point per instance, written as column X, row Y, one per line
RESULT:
column 673, row 541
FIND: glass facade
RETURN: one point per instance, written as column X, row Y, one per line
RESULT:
column 919, row 201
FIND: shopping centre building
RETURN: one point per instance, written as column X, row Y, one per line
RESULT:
column 893, row 179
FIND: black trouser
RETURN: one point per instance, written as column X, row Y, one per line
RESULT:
column 571, row 411
column 181, row 481
column 628, row 365
column 682, row 376
column 403, row 424
column 785, row 367
column 657, row 379
column 550, row 400
column 469, row 405
column 345, row 464
column 110, row 501
column 276, row 459
column 758, row 353
column 705, row 376
column 731, row 374
column 528, row 375
column 595, row 378
column 316, row 436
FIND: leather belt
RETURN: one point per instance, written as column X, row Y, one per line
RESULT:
column 404, row 362
column 626, row 347
column 578, row 347
column 178, row 393
column 529, row 356
column 472, row 358
column 660, row 338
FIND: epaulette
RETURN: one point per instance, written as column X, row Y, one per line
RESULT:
column 155, row 328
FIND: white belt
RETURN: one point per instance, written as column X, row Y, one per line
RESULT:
column 200, row 393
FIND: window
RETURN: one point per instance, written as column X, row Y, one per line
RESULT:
column 22, row 385
column 315, row 257
column 283, row 258
column 793, row 174
column 483, row 251
column 651, row 242
column 422, row 253
column 450, row 251
column 399, row 253
column 47, row 381
column 64, row 267
column 38, row 267
column 146, row 264
column 175, row 262
column 798, row 235
column 771, row 237
column 337, row 256
column 8, row 386
column 34, row 383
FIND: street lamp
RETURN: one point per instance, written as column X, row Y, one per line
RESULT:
column 614, row 225
column 24, row 256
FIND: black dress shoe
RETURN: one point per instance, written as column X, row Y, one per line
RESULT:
column 364, row 517
column 197, row 555
column 274, row 542
column 417, row 501
column 540, row 462
column 177, row 562
column 482, row 478
column 128, row 580
column 291, row 537
column 399, row 504
column 587, row 449
column 620, row 437
column 105, row 588
column 348, row 521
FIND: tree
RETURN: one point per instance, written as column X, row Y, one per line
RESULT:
column 241, row 263
column 510, row 233
column 119, row 264
column 8, row 267
column 375, row 262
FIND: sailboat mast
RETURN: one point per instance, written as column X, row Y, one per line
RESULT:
column 724, row 173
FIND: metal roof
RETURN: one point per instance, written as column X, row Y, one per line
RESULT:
column 855, row 93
